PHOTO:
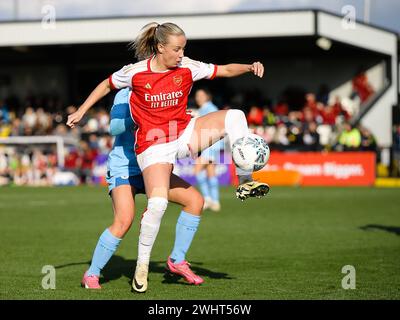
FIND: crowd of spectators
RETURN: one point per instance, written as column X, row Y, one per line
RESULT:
column 317, row 125
column 26, row 164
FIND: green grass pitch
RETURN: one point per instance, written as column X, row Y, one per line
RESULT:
column 290, row 245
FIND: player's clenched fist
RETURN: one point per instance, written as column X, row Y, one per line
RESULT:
column 74, row 118
column 258, row 69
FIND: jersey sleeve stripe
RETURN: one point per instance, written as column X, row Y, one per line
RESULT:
column 111, row 83
column 214, row 73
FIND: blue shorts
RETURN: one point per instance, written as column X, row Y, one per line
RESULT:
column 134, row 181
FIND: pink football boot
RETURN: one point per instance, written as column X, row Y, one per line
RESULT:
column 183, row 269
column 90, row 282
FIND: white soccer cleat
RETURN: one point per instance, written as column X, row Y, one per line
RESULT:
column 140, row 278
column 215, row 206
column 252, row 189
column 207, row 203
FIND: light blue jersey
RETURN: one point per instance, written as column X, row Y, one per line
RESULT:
column 207, row 108
column 210, row 152
column 122, row 165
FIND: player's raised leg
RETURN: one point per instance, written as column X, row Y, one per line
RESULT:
column 214, row 126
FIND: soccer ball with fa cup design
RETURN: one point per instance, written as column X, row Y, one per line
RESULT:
column 250, row 153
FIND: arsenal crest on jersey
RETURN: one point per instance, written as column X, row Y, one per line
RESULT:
column 177, row 80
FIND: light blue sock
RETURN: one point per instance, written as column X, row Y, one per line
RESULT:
column 186, row 228
column 203, row 184
column 106, row 246
column 214, row 187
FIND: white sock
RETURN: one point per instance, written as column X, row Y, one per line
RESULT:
column 149, row 227
column 235, row 125
column 236, row 128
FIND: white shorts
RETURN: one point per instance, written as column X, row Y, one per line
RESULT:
column 167, row 152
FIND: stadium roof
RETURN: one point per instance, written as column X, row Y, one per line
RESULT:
column 210, row 26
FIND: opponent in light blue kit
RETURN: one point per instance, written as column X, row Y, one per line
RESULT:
column 125, row 181
column 122, row 166
column 205, row 164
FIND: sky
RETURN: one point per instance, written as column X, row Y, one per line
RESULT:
column 383, row 13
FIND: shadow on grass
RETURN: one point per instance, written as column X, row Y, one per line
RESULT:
column 395, row 230
column 119, row 267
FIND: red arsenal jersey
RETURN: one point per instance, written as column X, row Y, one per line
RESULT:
column 158, row 100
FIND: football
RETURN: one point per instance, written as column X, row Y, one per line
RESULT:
column 250, row 153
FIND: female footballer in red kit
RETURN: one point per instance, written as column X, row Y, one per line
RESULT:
column 160, row 86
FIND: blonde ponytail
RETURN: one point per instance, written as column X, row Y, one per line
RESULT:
column 145, row 44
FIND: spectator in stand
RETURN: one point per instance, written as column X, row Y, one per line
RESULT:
column 339, row 110
column 311, row 138
column 312, row 109
column 349, row 139
column 52, row 164
column 329, row 115
column 103, row 120
column 362, row 87
column 17, row 128
column 57, row 119
column 5, row 125
column 93, row 142
column 281, row 136
column 308, row 115
column 29, row 120
column 295, row 117
column 87, row 164
column 269, row 118
column 61, row 130
column 281, row 109
column 4, row 114
column 368, row 141
column 312, row 103
column 255, row 117
column 73, row 161
column 295, row 137
column 39, row 168
column 92, row 125
column 105, row 144
column 43, row 123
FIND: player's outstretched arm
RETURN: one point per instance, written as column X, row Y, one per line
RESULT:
column 99, row 92
column 236, row 69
